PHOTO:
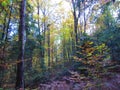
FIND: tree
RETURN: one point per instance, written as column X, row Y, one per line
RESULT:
column 76, row 15
column 20, row 62
column 108, row 32
column 48, row 46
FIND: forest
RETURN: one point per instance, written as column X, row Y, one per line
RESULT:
column 59, row 45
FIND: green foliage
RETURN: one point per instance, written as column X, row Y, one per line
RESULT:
column 110, row 34
column 33, row 78
column 1, row 88
column 92, row 55
column 4, row 3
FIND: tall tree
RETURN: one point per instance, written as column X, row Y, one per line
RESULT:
column 20, row 63
column 76, row 15
column 49, row 45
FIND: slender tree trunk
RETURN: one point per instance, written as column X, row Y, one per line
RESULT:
column 64, row 52
column 75, row 28
column 38, row 7
column 9, row 19
column 43, row 43
column 56, row 57
column 76, row 17
column 42, row 64
column 84, row 19
column 52, row 55
column 49, row 47
column 20, row 62
column 4, row 28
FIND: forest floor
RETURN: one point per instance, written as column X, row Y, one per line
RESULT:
column 75, row 81
column 112, row 83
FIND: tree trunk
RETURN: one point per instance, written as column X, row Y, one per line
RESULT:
column 20, row 62
column 49, row 47
column 75, row 28
column 52, row 55
column 9, row 20
column 84, row 19
column 76, row 17
column 38, row 7
column 4, row 28
column 42, row 64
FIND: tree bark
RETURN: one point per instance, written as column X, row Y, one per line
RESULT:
column 75, row 28
column 84, row 18
column 20, row 62
column 76, row 17
column 38, row 7
column 4, row 28
column 49, row 46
